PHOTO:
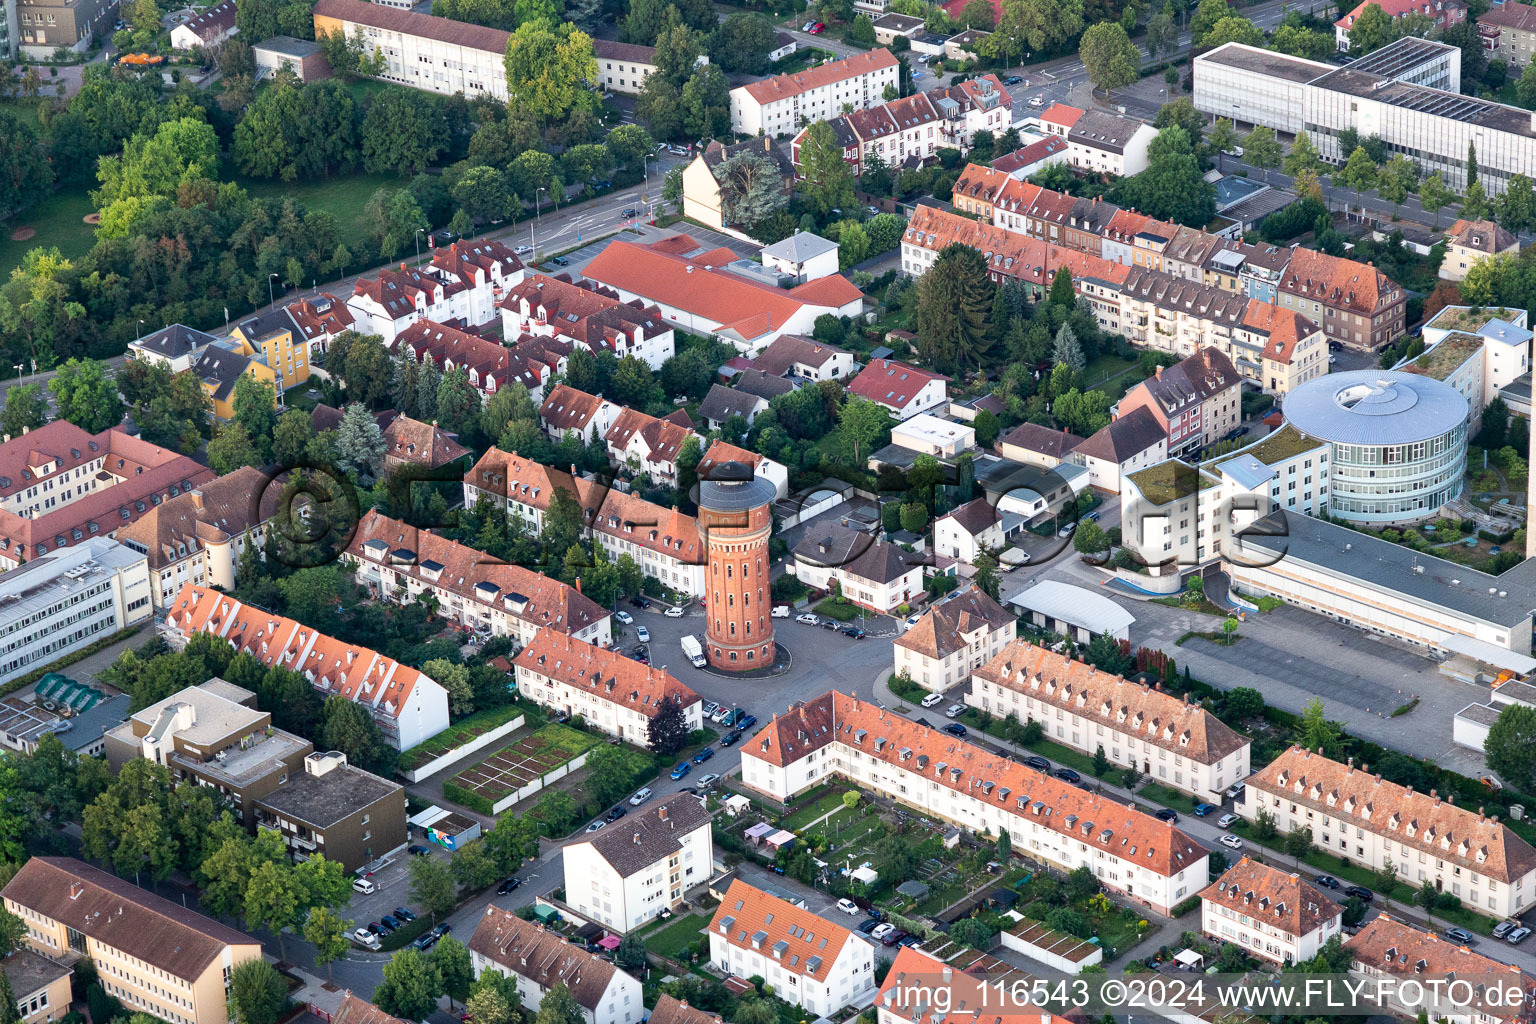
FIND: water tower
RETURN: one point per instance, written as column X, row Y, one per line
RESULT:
column 734, row 523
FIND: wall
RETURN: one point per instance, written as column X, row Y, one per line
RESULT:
column 437, row 764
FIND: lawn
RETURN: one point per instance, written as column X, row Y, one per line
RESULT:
column 24, row 111
column 803, row 817
column 672, row 938
column 1125, row 374
column 342, row 197
column 1181, row 802
column 57, row 220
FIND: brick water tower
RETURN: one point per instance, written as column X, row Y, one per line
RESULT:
column 734, row 524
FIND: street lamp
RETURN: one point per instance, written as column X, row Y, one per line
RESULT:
column 138, row 334
column 538, row 217
column 418, row 244
column 270, row 294
column 19, row 368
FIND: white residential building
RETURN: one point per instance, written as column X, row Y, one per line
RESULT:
column 1426, row 839
column 1272, row 914
column 394, row 300
column 587, row 316
column 1130, row 852
column 721, row 452
column 175, row 347
column 1164, row 737
column 902, row 388
column 625, row 875
column 484, row 268
column 784, row 104
column 665, row 542
column 538, row 960
column 433, row 54
column 1391, row 950
column 613, row 694
column 67, row 599
column 646, row 445
column 966, row 532
column 566, row 409
column 624, row 67
column 870, row 573
column 809, row 961
column 402, row 562
column 954, row 638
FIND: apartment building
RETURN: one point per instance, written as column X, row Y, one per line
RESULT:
column 784, row 104
column 1373, row 822
column 965, row 532
column 213, row 735
column 402, row 562
column 489, row 364
column 1103, row 143
column 1049, row 820
column 1197, row 400
column 1164, row 737
column 589, row 317
column 408, row 706
column 623, row 67
column 626, row 875
column 410, row 442
column 809, row 961
column 703, row 178
column 538, row 960
column 152, row 955
column 647, row 445
column 523, row 488
column 336, row 811
column 43, row 26
column 67, row 599
column 199, row 535
column 1272, row 914
column 977, row 188
column 868, row 572
column 1468, row 243
column 273, row 339
column 714, row 291
column 1503, row 356
column 41, row 986
column 433, row 54
column 485, row 268
column 613, row 694
column 173, row 347
column 1508, row 33
column 954, row 638
column 462, row 285
column 208, row 29
column 905, row 390
column 568, row 410
column 1356, row 305
column 1443, row 13
column 1392, row 950
column 320, row 318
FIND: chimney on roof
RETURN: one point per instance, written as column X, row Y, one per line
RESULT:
column 197, row 499
column 75, row 889
column 1159, row 373
column 578, row 584
column 661, row 812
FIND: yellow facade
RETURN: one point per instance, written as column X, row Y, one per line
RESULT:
column 286, row 355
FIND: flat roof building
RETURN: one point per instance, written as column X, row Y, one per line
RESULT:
column 333, row 809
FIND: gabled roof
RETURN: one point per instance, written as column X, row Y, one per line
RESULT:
column 721, row 452
column 1192, row 380
column 1062, row 114
column 799, row 247
column 117, row 913
column 319, row 314
column 1030, row 155
column 409, row 23
column 473, row 261
column 489, row 364
column 213, row 22
column 943, row 628
column 1278, row 899
column 764, row 385
column 1124, row 438
column 525, row 949
column 780, row 87
column 722, row 403
column 675, row 1011
column 1398, row 8
column 663, row 437
column 974, row 517
column 791, row 350
column 601, row 673
column 176, row 340
column 968, row 997
column 1099, row 129
column 1510, row 15
column 1418, row 820
column 221, row 368
column 640, row 840
column 359, row 1011
column 892, row 384
column 856, row 553
column 1339, row 282
column 1149, row 713
column 525, row 481
column 1282, row 329
column 803, row 942
column 178, row 528
column 1054, row 444
column 411, row 440
column 1390, row 946
column 979, row 182
column 717, row 153
column 566, row 408
column 665, row 531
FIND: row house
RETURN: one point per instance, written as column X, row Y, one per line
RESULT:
column 1357, row 305
column 568, row 410
column 647, row 445
column 613, row 694
column 1423, row 837
column 1197, row 401
column 489, row 364
column 1389, row 950
column 1164, row 737
column 486, row 269
column 783, row 104
column 394, row 300
column 402, row 562
column 408, row 706
column 523, row 488
column 977, row 188
column 319, row 319
column 665, row 542
column 1052, row 821
column 537, row 961
column 587, row 315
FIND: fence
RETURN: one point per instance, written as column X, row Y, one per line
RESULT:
column 448, row 757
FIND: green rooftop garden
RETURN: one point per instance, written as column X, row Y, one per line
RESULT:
column 1171, row 480
column 1470, row 318
column 1282, row 444
column 1443, row 360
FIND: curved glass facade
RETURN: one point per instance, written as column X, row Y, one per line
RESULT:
column 1397, row 482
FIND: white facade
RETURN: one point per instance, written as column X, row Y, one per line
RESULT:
column 939, row 673
column 933, row 436
column 415, row 59
column 1272, row 914
column 431, row 300
column 786, row 103
column 611, row 713
column 550, row 960
column 67, row 599
column 952, row 539
column 625, row 901
column 674, row 573
column 1085, row 155
column 883, row 598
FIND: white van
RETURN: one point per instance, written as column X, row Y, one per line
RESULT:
column 780, row 611
column 364, row 886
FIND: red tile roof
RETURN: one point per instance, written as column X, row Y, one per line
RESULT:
column 1030, row 154
column 780, row 87
column 664, row 438
column 1339, row 282
column 359, row 1011
column 753, row 920
column 473, row 262
column 1060, row 113
column 525, row 481
column 1394, row 947
column 1279, row 899
column 490, row 364
column 584, row 312
column 321, row 314
column 890, row 383
column 1283, row 329
column 392, row 19
column 604, row 674
column 1398, row 8
column 665, row 531
column 914, row 977
column 568, row 409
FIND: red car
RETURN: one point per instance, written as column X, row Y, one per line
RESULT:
column 817, row 29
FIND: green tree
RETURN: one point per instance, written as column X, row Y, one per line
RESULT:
column 86, row 396
column 1397, row 178
column 258, row 992
column 1511, row 746
column 1475, row 205
column 1372, row 30
column 1090, row 538
column 1435, row 195
column 1298, row 843
column 327, row 932
column 1244, row 702
column 349, row 728
column 488, row 1006
column 1162, row 34
column 1264, row 827
column 1112, row 60
column 548, row 69
column 558, row 1006
column 1427, row 898
column 706, row 100
column 953, row 306
column 828, row 180
column 1359, row 171
column 26, row 176
column 667, row 731
column 1234, row 29
column 1262, row 149
column 1316, row 732
column 862, row 424
column 24, row 410
column 411, row 983
column 454, row 968
column 1206, row 17
column 274, row 900
column 403, row 132
column 431, row 885
column 1222, row 138
column 751, row 188
column 1100, row 761
column 986, row 578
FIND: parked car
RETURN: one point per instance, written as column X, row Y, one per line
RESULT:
column 1227, row 821
column 1167, row 814
column 1036, row 101
column 955, row 729
column 625, row 618
column 599, row 823
column 881, row 930
column 629, row 213
column 829, row 624
column 1327, row 882
column 954, row 711
column 853, row 631
column 1067, row 775
column 1460, row 936
column 640, row 797
column 364, row 935
column 932, row 699
column 706, row 781
column 1237, row 791
column 617, row 813
column 919, row 74
column 849, row 907
column 1201, row 810
column 704, row 755
column 1360, row 893
column 892, row 938
column 364, row 886
column 780, row 611
column 640, row 601
column 730, row 738
column 401, row 914
column 508, row 885
column 642, row 634
column 723, row 715
column 910, row 940
column 523, row 250
column 806, row 618
column 817, row 29
column 426, row 942
column 1066, row 531
column 388, row 924
column 1517, row 936
column 1231, row 842
column 710, row 707
column 911, row 621
column 1503, row 928
column 868, row 925
column 560, row 261
column 1038, row 763
column 683, row 768
column 743, row 724
column 1012, row 80
column 640, row 651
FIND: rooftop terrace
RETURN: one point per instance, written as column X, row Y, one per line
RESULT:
column 1445, row 358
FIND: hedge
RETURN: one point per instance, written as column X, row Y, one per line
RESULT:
column 458, row 733
column 68, row 659
column 1193, row 903
column 474, row 801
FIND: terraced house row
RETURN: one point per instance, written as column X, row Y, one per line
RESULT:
column 1148, row 860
